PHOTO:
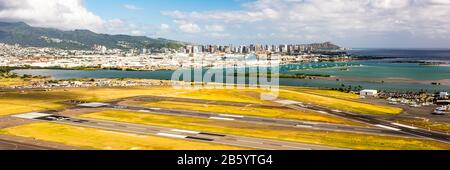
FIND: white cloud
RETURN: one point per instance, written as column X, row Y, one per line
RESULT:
column 215, row 28
column 131, row 7
column 188, row 27
column 63, row 14
column 329, row 19
column 137, row 32
column 219, row 35
column 164, row 27
column 66, row 15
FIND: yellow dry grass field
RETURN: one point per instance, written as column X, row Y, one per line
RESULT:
column 337, row 139
column 324, row 92
column 437, row 126
column 230, row 95
column 91, row 138
column 16, row 102
column 20, row 102
column 7, row 82
column 252, row 111
column 341, row 104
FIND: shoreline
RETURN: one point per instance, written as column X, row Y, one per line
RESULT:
column 289, row 76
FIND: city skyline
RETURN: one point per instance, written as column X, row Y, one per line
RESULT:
column 355, row 24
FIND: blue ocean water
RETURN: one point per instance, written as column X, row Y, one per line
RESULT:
column 408, row 54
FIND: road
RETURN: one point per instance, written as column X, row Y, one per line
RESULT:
column 377, row 122
column 249, row 142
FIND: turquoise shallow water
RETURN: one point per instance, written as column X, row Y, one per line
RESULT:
column 380, row 69
column 364, row 71
column 359, row 73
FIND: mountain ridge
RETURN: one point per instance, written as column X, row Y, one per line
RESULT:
column 78, row 39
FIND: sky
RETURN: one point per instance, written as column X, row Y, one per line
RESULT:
column 348, row 23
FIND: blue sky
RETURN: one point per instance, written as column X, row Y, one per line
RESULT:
column 149, row 11
column 349, row 23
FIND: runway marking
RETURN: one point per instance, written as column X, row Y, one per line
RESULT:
column 155, row 108
column 323, row 112
column 197, row 138
column 406, row 126
column 32, row 115
column 221, row 118
column 388, row 127
column 185, row 131
column 171, row 135
column 303, row 126
column 211, row 134
column 145, row 111
column 338, row 111
column 227, row 115
column 295, row 147
column 311, row 123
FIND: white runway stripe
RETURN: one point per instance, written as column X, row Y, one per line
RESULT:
column 303, row 126
column 310, row 123
column 171, row 135
column 406, row 126
column 387, row 127
column 221, row 118
column 185, row 131
column 227, row 115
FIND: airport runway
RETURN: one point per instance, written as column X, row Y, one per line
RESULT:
column 392, row 126
column 249, row 142
column 13, row 145
column 200, row 101
column 386, row 127
column 261, row 120
column 382, row 126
